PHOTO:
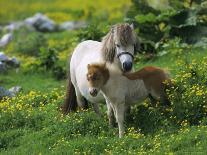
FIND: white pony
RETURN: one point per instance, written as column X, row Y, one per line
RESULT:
column 124, row 89
column 117, row 49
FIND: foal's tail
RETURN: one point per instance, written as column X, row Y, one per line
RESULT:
column 70, row 103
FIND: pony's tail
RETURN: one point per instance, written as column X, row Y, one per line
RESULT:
column 70, row 103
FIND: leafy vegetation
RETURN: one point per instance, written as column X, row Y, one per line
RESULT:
column 31, row 122
column 157, row 22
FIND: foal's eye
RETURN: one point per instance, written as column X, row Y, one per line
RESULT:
column 117, row 45
column 95, row 78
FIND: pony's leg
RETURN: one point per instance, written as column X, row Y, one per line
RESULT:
column 82, row 102
column 120, row 107
column 110, row 114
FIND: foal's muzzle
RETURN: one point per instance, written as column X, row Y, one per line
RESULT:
column 93, row 92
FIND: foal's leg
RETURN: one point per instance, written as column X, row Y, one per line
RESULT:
column 127, row 112
column 96, row 109
column 152, row 99
column 120, row 107
column 164, row 100
column 110, row 114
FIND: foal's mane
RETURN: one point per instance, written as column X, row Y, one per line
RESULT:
column 100, row 68
column 121, row 32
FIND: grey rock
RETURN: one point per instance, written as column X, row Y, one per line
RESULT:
column 13, row 62
column 15, row 90
column 71, row 25
column 3, row 67
column 5, row 93
column 5, row 39
column 41, row 23
column 14, row 26
column 3, row 57
column 6, row 62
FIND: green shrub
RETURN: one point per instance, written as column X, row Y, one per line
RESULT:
column 175, row 19
column 47, row 58
column 48, row 61
column 27, row 42
column 189, row 93
column 93, row 31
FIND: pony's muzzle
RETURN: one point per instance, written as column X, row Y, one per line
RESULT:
column 93, row 92
column 126, row 60
column 127, row 66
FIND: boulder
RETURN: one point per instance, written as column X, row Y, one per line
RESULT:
column 15, row 90
column 71, row 25
column 6, row 62
column 3, row 57
column 14, row 26
column 3, row 67
column 13, row 62
column 5, row 93
column 5, row 39
column 41, row 23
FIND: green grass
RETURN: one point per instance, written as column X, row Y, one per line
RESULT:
column 46, row 131
column 61, row 10
column 32, row 81
column 169, row 60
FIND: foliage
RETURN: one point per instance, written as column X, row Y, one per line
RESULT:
column 48, row 61
column 61, row 10
column 175, row 19
column 189, row 93
column 47, row 58
column 27, row 42
column 34, row 118
column 93, row 31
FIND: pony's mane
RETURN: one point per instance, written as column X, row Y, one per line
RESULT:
column 122, row 33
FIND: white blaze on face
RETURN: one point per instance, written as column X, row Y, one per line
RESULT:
column 126, row 58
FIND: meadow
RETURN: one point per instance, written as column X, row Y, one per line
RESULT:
column 32, row 123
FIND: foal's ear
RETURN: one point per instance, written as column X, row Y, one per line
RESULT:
column 88, row 66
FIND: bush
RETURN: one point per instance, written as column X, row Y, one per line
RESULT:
column 27, row 42
column 93, row 31
column 175, row 19
column 47, row 62
column 189, row 93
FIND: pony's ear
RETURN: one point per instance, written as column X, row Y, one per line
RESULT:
column 112, row 29
column 88, row 66
column 137, row 45
column 132, row 26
